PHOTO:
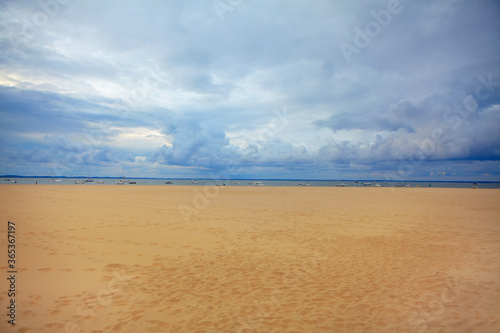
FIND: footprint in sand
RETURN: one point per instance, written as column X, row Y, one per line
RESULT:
column 29, row 314
column 58, row 326
column 117, row 328
column 63, row 302
column 155, row 324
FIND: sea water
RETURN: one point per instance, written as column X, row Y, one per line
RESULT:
column 245, row 182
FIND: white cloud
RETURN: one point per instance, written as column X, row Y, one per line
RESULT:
column 177, row 85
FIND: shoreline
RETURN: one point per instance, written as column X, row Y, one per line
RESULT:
column 444, row 185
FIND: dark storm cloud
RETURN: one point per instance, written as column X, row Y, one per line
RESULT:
column 206, row 80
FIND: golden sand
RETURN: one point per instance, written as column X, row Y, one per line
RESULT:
column 133, row 258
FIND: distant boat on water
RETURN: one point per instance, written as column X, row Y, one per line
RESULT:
column 124, row 181
column 377, row 185
column 89, row 180
column 256, row 183
column 168, row 183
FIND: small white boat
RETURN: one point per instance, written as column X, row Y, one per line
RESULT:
column 99, row 182
column 124, row 181
column 78, row 181
column 256, row 183
column 377, row 185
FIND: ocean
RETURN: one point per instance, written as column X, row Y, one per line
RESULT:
column 246, row 182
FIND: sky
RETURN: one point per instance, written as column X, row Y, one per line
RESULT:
column 240, row 89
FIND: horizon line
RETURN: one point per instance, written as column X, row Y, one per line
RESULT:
column 268, row 179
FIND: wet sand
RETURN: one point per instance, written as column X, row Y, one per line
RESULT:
column 102, row 258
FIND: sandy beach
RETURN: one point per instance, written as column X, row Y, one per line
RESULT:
column 132, row 258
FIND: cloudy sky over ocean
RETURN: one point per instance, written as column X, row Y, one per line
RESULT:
column 251, row 89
